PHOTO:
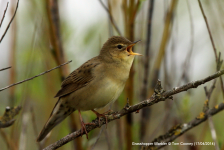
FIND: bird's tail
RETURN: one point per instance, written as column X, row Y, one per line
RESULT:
column 60, row 112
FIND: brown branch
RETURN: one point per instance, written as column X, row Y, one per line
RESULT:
column 159, row 96
column 178, row 130
column 4, row 14
column 34, row 76
column 5, row 68
column 111, row 18
column 146, row 112
column 10, row 22
column 55, row 36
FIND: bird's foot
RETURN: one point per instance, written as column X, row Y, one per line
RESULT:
column 101, row 115
column 84, row 128
column 84, row 125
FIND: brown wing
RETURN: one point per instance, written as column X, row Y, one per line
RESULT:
column 78, row 78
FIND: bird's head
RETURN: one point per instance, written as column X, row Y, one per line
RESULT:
column 118, row 48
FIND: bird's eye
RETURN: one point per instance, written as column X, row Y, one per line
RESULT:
column 119, row 46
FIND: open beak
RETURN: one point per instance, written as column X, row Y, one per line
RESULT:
column 129, row 49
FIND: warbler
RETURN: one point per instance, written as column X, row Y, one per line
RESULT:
column 95, row 84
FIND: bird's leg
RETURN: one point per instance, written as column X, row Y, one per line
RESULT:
column 83, row 125
column 101, row 115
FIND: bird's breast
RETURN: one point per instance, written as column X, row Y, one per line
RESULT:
column 109, row 91
column 106, row 87
column 97, row 94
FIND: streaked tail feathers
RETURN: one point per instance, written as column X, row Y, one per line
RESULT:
column 59, row 113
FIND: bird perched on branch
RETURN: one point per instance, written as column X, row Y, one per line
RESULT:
column 96, row 83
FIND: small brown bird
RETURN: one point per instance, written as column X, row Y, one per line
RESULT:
column 96, row 83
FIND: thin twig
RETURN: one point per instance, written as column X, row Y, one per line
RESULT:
column 146, row 103
column 98, row 137
column 208, row 94
column 210, row 35
column 10, row 22
column 178, row 130
column 111, row 18
column 4, row 14
column 213, row 44
column 5, row 68
column 34, row 76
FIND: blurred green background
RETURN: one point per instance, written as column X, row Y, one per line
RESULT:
column 84, row 27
